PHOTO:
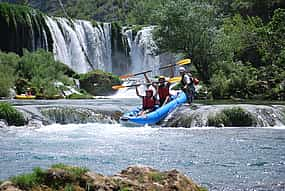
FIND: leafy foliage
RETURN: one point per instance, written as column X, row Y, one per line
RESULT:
column 28, row 181
column 8, row 63
column 42, row 71
column 188, row 27
column 11, row 115
column 235, row 117
column 74, row 171
column 236, row 46
column 97, row 82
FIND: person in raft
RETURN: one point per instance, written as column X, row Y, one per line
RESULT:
column 148, row 101
column 187, row 84
column 162, row 89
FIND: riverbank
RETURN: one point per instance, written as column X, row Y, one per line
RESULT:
column 136, row 178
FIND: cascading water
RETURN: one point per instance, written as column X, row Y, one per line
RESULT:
column 143, row 51
column 80, row 45
column 199, row 115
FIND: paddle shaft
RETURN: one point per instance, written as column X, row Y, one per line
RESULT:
column 181, row 62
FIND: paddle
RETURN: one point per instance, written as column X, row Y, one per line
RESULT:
column 136, row 74
column 122, row 86
column 179, row 63
column 171, row 80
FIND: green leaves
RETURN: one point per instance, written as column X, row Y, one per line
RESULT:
column 11, row 115
column 189, row 28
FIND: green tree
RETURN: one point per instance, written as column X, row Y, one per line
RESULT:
column 41, row 70
column 189, row 28
column 8, row 64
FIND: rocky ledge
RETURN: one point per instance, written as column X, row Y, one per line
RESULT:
column 73, row 178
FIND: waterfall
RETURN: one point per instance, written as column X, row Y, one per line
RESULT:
column 199, row 115
column 80, row 45
column 144, row 52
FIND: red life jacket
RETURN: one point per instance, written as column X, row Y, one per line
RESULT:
column 148, row 102
column 163, row 92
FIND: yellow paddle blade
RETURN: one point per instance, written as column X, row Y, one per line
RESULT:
column 174, row 79
column 118, row 87
column 126, row 76
column 184, row 61
column 179, row 63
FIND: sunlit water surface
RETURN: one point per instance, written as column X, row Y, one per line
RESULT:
column 219, row 159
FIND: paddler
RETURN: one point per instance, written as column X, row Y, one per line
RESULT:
column 162, row 89
column 187, row 84
column 148, row 101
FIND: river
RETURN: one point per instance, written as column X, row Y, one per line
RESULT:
column 217, row 158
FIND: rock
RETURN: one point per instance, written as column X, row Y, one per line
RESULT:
column 134, row 178
column 3, row 123
column 146, row 178
column 8, row 186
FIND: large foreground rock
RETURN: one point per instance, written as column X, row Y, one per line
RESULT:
column 132, row 179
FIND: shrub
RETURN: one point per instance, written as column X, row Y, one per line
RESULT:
column 11, row 115
column 27, row 181
column 78, row 96
column 43, row 71
column 239, row 117
column 233, row 117
column 74, row 171
column 218, row 120
column 8, row 63
column 98, row 82
column 219, row 85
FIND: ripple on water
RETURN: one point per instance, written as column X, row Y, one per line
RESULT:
column 258, row 164
column 219, row 159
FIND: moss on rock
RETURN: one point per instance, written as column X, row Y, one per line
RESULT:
column 63, row 177
column 232, row 117
column 22, row 27
column 11, row 115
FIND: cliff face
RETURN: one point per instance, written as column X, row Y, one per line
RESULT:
column 132, row 179
column 23, row 27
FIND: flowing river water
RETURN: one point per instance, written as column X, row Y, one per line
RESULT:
column 216, row 158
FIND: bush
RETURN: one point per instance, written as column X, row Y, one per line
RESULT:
column 233, row 117
column 74, row 171
column 78, row 96
column 8, row 64
column 28, row 181
column 42, row 71
column 219, row 85
column 98, row 82
column 11, row 115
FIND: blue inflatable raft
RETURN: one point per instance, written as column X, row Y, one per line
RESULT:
column 155, row 116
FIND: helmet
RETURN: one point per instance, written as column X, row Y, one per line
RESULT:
column 161, row 78
column 182, row 69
